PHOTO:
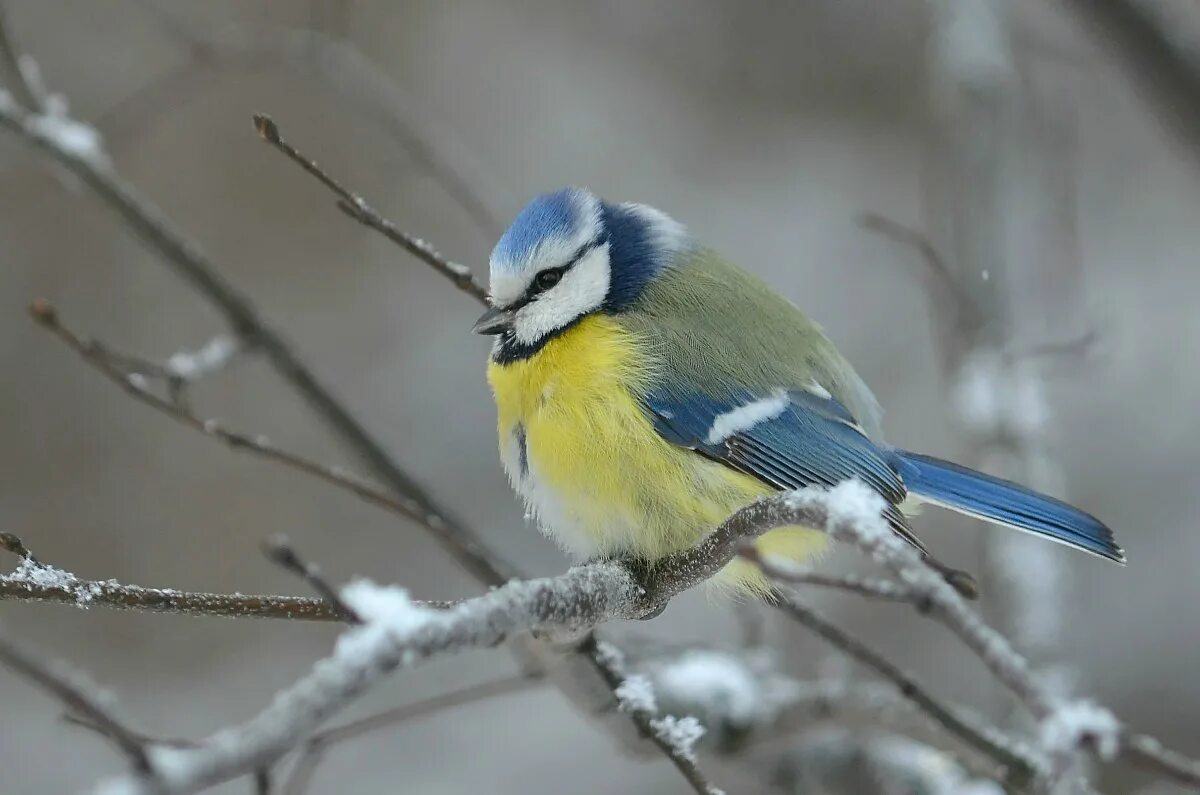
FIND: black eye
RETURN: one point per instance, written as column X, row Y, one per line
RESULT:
column 547, row 279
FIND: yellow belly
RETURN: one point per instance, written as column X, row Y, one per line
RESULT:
column 581, row 451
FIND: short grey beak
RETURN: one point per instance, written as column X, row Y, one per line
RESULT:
column 493, row 321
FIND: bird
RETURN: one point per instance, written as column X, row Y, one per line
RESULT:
column 647, row 388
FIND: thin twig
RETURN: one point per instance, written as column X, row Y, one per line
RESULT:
column 1021, row 767
column 141, row 737
column 357, row 208
column 1149, row 753
column 67, row 687
column 885, row 590
column 123, row 371
column 187, row 258
column 940, row 273
column 26, row 80
column 314, row 751
column 314, row 57
column 37, row 581
column 278, row 548
column 44, row 583
column 15, row 545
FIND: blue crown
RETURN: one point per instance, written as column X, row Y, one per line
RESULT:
column 551, row 215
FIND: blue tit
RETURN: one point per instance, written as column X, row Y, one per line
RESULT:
column 647, row 388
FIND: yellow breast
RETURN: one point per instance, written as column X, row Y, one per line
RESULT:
column 582, row 452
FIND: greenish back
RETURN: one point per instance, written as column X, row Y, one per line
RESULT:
column 714, row 328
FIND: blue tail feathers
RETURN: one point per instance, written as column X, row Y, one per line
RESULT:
column 1003, row 502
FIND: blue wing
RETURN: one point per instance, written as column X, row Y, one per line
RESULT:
column 788, row 439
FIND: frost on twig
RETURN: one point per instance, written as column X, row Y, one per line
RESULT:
column 35, row 575
column 674, row 736
column 36, row 581
column 212, row 356
column 635, row 695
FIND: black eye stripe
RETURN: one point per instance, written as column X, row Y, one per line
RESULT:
column 534, row 289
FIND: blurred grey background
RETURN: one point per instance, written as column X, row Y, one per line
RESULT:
column 766, row 127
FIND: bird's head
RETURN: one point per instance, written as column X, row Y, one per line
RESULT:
column 567, row 255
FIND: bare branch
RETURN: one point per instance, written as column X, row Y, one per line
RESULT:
column 27, row 78
column 278, row 548
column 357, row 208
column 15, row 545
column 72, row 690
column 885, row 590
column 1021, row 765
column 957, row 316
column 124, row 370
column 316, row 57
column 91, row 165
column 939, row 272
column 1149, row 753
column 145, row 739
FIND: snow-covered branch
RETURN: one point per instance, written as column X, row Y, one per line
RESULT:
column 1067, row 728
column 397, row 633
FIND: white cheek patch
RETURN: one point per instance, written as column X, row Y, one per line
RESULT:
column 511, row 278
column 583, row 289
